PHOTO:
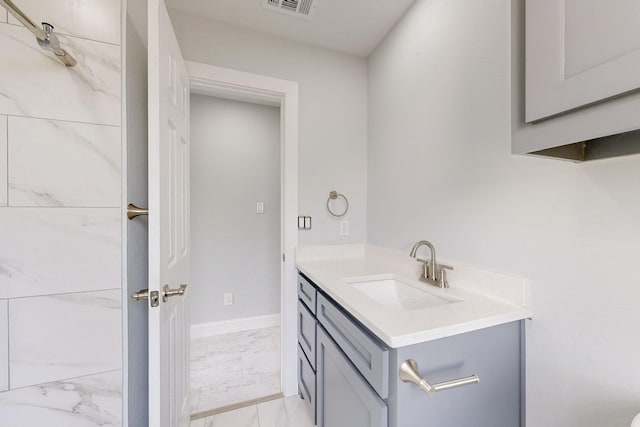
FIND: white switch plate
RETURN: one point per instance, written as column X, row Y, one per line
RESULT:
column 344, row 227
column 228, row 298
column 260, row 207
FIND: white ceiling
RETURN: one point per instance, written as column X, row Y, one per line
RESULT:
column 351, row 26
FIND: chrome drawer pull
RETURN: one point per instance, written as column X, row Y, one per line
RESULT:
column 409, row 373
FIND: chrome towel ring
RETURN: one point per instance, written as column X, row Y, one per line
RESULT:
column 333, row 196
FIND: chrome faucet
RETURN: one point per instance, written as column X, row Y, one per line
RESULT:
column 432, row 273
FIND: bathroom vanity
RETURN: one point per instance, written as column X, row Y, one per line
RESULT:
column 349, row 371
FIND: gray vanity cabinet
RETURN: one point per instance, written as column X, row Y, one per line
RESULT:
column 307, row 330
column 344, row 398
column 493, row 354
column 350, row 378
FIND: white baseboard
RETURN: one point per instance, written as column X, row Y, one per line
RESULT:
column 235, row 325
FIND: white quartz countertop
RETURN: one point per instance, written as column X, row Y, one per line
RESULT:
column 482, row 299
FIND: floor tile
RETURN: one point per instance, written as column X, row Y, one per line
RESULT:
column 261, row 364
column 236, row 391
column 243, row 417
column 215, row 369
column 233, row 368
column 288, row 412
column 194, row 399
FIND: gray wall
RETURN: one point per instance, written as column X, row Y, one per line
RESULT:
column 333, row 112
column 235, row 162
column 439, row 127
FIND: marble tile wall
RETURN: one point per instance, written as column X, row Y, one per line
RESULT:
column 89, row 19
column 4, row 345
column 3, row 160
column 58, row 250
column 60, row 219
column 93, row 400
column 62, row 347
column 89, row 92
column 86, row 172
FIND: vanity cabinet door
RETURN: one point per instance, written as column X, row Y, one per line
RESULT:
column 344, row 398
column 307, row 384
column 307, row 333
column 364, row 350
column 579, row 52
column 307, row 293
column 493, row 354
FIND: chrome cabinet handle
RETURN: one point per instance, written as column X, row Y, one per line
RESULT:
column 409, row 373
column 167, row 292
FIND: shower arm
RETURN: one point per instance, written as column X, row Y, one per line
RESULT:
column 46, row 39
column 24, row 19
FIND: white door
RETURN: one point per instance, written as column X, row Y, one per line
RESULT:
column 579, row 52
column 168, row 224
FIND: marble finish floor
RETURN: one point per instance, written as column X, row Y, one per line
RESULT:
column 233, row 368
column 287, row 412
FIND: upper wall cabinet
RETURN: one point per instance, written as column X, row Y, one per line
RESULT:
column 579, row 52
column 575, row 78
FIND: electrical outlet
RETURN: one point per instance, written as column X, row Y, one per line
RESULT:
column 228, row 298
column 260, row 207
column 344, row 227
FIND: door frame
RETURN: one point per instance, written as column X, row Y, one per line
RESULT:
column 226, row 83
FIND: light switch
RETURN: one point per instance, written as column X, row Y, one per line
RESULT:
column 260, row 207
column 304, row 223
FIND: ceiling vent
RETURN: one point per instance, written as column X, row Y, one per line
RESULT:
column 301, row 8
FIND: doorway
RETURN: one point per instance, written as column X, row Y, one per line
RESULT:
column 260, row 203
column 235, row 253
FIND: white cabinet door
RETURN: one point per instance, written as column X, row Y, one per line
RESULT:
column 168, row 224
column 579, row 52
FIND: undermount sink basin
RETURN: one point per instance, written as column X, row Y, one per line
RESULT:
column 396, row 292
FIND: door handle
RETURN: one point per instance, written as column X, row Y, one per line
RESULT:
column 167, row 292
column 134, row 211
column 140, row 295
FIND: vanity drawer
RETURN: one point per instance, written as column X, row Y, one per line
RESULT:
column 366, row 352
column 307, row 333
column 307, row 384
column 307, row 293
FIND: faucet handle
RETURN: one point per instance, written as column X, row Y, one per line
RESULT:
column 425, row 271
column 442, row 272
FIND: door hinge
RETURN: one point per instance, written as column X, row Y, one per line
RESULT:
column 283, row 257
